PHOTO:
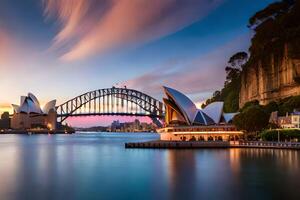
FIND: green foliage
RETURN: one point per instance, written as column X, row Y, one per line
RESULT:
column 66, row 127
column 252, row 119
column 277, row 33
column 231, row 102
column 5, row 115
column 238, row 59
column 229, row 95
column 233, row 75
column 249, row 104
column 277, row 28
column 284, row 134
column 288, row 105
column 271, row 107
column 270, row 11
column 293, row 102
column 231, row 91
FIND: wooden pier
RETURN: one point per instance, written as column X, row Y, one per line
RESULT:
column 213, row 144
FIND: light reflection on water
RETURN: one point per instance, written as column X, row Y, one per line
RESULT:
column 97, row 166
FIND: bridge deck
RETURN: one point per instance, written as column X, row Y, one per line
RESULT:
column 110, row 113
column 111, row 101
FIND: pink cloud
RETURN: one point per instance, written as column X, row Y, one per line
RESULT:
column 11, row 48
column 70, row 14
column 203, row 74
column 88, row 27
column 5, row 46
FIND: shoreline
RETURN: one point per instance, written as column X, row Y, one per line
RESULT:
column 211, row 145
column 29, row 132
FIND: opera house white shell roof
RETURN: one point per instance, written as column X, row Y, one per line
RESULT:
column 211, row 114
column 30, row 104
column 214, row 110
column 186, row 106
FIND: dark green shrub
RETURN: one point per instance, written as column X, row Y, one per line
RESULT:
column 284, row 134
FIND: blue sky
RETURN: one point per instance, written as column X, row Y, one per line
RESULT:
column 58, row 49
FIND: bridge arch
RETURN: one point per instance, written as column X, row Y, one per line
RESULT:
column 112, row 101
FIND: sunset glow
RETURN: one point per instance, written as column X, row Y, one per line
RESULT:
column 59, row 49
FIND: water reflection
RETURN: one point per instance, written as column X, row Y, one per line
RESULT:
column 234, row 173
column 9, row 170
column 182, row 174
column 99, row 167
column 286, row 159
column 234, row 158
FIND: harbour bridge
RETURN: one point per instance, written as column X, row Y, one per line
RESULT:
column 112, row 101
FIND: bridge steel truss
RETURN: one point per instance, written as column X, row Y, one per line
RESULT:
column 112, row 101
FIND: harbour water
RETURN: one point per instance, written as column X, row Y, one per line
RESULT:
column 97, row 166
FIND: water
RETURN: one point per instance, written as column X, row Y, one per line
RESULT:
column 97, row 166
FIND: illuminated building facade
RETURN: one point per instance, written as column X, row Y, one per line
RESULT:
column 30, row 115
column 183, row 121
column 290, row 121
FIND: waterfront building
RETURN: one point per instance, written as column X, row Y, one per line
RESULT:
column 184, row 121
column 30, row 115
column 290, row 120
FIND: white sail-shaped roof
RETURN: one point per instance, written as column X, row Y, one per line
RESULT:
column 203, row 119
column 22, row 100
column 210, row 115
column 229, row 116
column 187, row 107
column 34, row 99
column 30, row 104
column 16, row 108
column 33, row 107
column 50, row 105
column 214, row 111
column 24, row 107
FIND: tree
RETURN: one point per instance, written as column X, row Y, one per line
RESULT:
column 251, row 119
column 270, row 12
column 232, row 75
column 217, row 94
column 231, row 102
column 233, row 71
column 230, row 93
column 284, row 134
column 249, row 104
column 289, row 105
column 5, row 115
column 293, row 103
column 271, row 107
column 238, row 59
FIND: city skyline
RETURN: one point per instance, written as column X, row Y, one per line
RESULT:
column 57, row 49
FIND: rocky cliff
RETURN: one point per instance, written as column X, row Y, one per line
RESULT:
column 273, row 69
column 278, row 80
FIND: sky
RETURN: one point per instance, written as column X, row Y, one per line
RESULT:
column 59, row 49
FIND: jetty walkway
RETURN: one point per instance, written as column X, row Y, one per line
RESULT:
column 212, row 144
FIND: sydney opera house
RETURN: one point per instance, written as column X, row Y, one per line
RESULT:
column 185, row 122
column 30, row 115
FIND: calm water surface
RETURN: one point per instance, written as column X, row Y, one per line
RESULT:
column 97, row 166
